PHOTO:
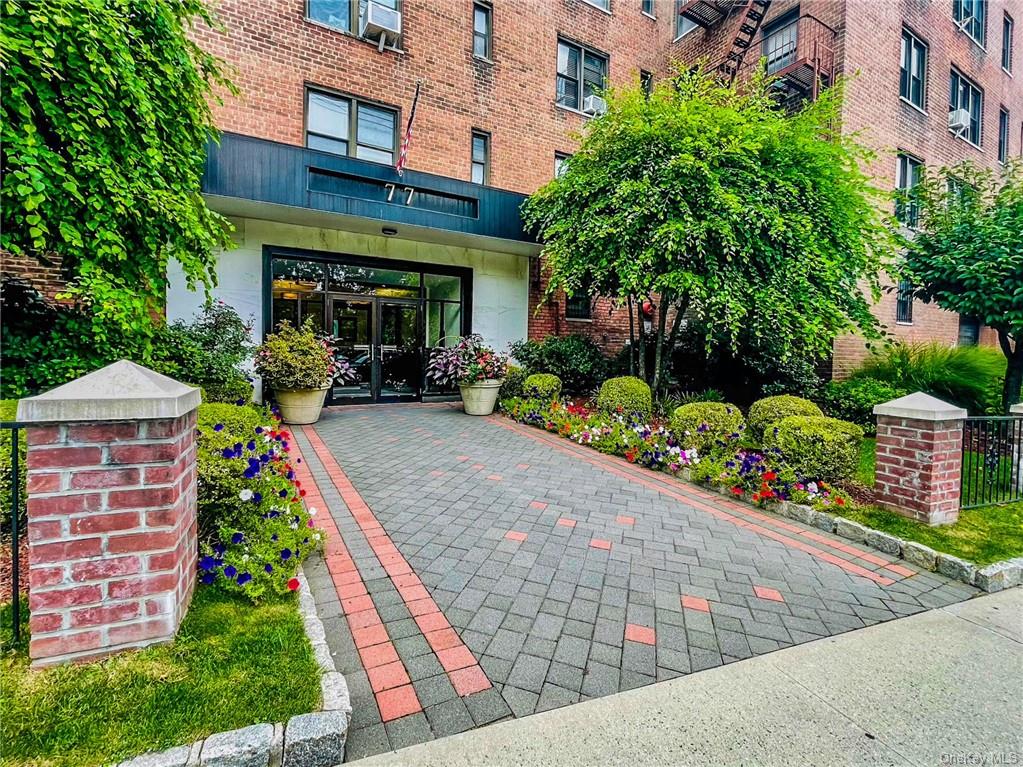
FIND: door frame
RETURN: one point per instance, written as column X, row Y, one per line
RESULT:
column 465, row 273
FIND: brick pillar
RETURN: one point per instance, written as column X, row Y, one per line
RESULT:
column 919, row 458
column 111, row 512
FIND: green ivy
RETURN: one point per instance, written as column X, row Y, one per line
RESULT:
column 106, row 120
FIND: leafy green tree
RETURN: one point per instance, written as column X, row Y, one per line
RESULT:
column 967, row 255
column 717, row 203
column 105, row 124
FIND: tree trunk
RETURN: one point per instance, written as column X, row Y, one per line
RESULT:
column 632, row 340
column 676, row 323
column 662, row 321
column 1013, row 369
column 641, row 366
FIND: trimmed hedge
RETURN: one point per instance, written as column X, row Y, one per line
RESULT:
column 514, row 377
column 817, row 447
column 545, row 386
column 701, row 424
column 853, row 400
column 625, row 395
column 769, row 410
column 235, row 391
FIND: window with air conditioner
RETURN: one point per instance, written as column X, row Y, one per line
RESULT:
column 907, row 177
column 965, row 108
column 971, row 17
column 350, row 127
column 371, row 19
column 581, row 73
column 913, row 72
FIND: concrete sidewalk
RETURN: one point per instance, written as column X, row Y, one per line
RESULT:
column 941, row 687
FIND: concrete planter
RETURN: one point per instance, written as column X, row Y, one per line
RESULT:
column 300, row 406
column 480, row 398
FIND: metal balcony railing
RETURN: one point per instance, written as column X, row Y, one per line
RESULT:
column 800, row 54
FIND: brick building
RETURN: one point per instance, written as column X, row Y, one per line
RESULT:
column 393, row 264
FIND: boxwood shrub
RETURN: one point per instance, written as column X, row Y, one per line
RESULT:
column 514, row 377
column 854, row 400
column 769, row 410
column 817, row 447
column 702, row 424
column 545, row 386
column 627, row 395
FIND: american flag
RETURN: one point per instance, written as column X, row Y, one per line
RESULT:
column 407, row 138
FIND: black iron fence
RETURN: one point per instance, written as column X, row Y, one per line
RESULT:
column 992, row 470
column 12, row 488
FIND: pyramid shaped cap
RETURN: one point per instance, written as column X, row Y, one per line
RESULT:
column 921, row 407
column 122, row 391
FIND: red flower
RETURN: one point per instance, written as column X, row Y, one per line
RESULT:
column 736, row 491
column 769, row 476
column 756, row 497
column 293, row 584
column 840, row 501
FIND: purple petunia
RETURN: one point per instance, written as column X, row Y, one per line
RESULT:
column 237, row 538
column 207, row 563
column 259, row 430
column 244, row 578
column 227, row 452
column 257, row 497
column 251, row 445
column 230, row 571
column 285, row 555
column 218, row 427
column 283, row 493
column 269, row 568
column 207, row 578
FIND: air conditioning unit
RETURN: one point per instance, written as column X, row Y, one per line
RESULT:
column 959, row 120
column 964, row 22
column 381, row 23
column 594, row 105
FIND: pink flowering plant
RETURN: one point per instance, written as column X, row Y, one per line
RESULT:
column 254, row 527
column 468, row 361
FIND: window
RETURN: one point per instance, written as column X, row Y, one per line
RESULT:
column 332, row 122
column 1007, row 26
column 971, row 17
column 963, row 94
column 577, row 306
column 646, row 81
column 648, row 7
column 1003, row 135
column 581, row 71
column 913, row 74
column 604, row 5
column 559, row 163
column 781, row 39
column 683, row 24
column 907, row 176
column 341, row 14
column 969, row 331
column 482, row 28
column 904, row 303
column 480, row 157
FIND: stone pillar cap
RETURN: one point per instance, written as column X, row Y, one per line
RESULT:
column 122, row 391
column 1016, row 409
column 921, row 407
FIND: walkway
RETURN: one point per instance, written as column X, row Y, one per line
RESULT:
column 940, row 688
column 486, row 570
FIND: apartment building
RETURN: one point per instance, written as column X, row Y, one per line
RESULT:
column 393, row 264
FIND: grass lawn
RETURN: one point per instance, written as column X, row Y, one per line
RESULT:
column 865, row 471
column 233, row 664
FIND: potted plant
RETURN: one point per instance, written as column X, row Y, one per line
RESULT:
column 475, row 367
column 299, row 367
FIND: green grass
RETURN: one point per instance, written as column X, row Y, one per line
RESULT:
column 233, row 664
column 865, row 471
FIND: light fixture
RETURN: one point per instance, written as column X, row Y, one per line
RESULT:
column 390, row 231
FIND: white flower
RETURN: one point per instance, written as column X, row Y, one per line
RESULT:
column 245, row 495
column 312, row 511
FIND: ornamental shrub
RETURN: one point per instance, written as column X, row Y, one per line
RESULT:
column 514, row 378
column 575, row 359
column 701, row 425
column 854, row 399
column 769, row 410
column 626, row 395
column 294, row 358
column 469, row 361
column 254, row 529
column 237, row 391
column 817, row 447
column 544, row 386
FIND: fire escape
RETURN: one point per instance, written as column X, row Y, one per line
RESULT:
column 798, row 53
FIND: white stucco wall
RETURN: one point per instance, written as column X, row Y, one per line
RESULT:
column 500, row 280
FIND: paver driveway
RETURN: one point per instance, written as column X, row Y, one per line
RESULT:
column 486, row 570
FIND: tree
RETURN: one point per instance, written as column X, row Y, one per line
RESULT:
column 716, row 202
column 967, row 255
column 105, row 126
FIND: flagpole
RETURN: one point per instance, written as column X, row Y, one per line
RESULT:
column 407, row 138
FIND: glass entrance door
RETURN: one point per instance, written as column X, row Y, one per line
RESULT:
column 380, row 340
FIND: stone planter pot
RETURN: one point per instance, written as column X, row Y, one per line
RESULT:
column 480, row 398
column 300, row 406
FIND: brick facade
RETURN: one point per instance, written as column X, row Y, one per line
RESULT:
column 112, row 534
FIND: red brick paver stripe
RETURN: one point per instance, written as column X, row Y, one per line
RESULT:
column 464, row 671
column 511, row 535
column 522, row 466
column 461, row 458
column 673, row 490
column 495, row 477
column 540, row 505
column 600, row 543
column 695, row 603
column 388, row 677
column 565, row 522
column 641, row 634
column 623, row 520
column 768, row 593
column 477, row 466
column 905, row 572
